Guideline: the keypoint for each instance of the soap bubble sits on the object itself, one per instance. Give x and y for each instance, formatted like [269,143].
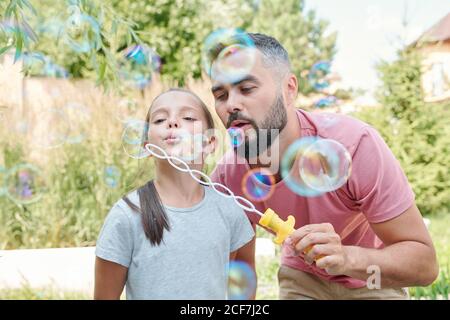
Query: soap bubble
[235,58]
[317,76]
[290,164]
[81,32]
[133,139]
[325,165]
[237,136]
[258,184]
[241,281]
[326,102]
[137,66]
[25,184]
[111,176]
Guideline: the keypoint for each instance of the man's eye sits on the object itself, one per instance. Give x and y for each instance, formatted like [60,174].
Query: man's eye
[247,89]
[221,97]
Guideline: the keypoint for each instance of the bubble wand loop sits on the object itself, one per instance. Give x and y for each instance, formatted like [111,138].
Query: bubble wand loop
[269,218]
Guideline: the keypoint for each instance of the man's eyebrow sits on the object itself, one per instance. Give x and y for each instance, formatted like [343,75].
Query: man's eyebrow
[246,78]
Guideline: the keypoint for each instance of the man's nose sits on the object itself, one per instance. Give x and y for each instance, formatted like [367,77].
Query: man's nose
[234,103]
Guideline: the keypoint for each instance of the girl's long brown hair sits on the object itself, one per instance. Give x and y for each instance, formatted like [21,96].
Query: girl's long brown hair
[153,216]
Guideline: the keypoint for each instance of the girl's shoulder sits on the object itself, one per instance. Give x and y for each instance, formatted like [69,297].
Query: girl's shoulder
[122,208]
[223,202]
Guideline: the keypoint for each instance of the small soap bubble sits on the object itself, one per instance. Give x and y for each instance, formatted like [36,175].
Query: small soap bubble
[25,184]
[241,281]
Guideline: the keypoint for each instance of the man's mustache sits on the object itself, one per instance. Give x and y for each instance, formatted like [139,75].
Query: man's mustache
[237,116]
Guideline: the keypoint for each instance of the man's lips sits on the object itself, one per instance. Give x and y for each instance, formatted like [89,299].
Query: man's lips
[239,123]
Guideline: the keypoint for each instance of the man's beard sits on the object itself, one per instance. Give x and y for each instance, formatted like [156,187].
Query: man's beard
[266,134]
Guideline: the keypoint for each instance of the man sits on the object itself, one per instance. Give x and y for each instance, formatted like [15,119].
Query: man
[369,224]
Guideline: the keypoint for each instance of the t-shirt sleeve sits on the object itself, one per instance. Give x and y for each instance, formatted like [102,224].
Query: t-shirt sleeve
[115,242]
[377,183]
[241,229]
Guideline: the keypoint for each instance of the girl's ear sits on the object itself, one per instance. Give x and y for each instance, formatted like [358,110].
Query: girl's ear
[210,145]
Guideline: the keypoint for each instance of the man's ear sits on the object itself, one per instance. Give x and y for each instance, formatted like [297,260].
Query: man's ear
[291,89]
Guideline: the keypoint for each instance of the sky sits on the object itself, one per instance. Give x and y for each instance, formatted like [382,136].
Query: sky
[372,30]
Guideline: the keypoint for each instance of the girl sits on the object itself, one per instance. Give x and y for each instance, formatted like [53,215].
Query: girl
[173,237]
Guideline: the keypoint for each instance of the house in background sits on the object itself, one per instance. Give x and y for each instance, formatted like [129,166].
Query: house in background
[434,44]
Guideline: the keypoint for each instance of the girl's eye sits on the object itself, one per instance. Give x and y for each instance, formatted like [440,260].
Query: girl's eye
[158,121]
[189,119]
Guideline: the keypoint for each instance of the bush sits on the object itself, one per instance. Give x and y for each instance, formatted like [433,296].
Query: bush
[417,132]
[75,199]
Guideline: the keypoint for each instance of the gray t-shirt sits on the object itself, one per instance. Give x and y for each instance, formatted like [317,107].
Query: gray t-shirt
[192,260]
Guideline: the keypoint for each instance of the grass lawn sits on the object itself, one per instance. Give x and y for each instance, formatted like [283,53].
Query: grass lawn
[267,273]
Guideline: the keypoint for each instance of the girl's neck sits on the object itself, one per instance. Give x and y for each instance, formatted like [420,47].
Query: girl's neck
[176,188]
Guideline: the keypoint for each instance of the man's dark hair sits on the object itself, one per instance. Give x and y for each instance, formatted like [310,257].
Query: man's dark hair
[274,55]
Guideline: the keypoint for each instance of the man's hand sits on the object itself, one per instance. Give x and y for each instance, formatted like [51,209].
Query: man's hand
[319,243]
[407,259]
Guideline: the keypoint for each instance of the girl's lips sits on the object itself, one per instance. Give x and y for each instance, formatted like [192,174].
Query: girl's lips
[172,140]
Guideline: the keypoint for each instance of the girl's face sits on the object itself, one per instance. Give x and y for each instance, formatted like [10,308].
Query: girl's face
[176,124]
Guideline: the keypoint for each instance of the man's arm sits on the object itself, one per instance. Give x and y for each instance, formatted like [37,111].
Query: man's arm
[408,259]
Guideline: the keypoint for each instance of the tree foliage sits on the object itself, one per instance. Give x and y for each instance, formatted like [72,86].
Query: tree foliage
[175,29]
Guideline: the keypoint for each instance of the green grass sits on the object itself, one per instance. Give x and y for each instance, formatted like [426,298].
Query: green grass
[440,232]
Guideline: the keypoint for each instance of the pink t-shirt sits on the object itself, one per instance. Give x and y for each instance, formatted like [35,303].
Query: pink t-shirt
[376,191]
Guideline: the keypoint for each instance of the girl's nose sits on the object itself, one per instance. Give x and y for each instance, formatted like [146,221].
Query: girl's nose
[173,123]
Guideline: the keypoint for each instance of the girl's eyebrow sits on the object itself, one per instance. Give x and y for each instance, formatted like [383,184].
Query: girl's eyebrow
[165,109]
[189,108]
[158,110]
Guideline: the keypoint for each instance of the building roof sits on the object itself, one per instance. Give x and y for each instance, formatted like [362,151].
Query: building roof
[439,32]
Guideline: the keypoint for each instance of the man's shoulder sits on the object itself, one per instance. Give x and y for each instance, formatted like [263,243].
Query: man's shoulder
[342,128]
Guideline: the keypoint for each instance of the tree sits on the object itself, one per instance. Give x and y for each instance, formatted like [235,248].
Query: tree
[40,28]
[417,132]
[301,34]
[175,29]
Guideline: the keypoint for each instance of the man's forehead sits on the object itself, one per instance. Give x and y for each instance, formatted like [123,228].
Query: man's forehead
[254,74]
